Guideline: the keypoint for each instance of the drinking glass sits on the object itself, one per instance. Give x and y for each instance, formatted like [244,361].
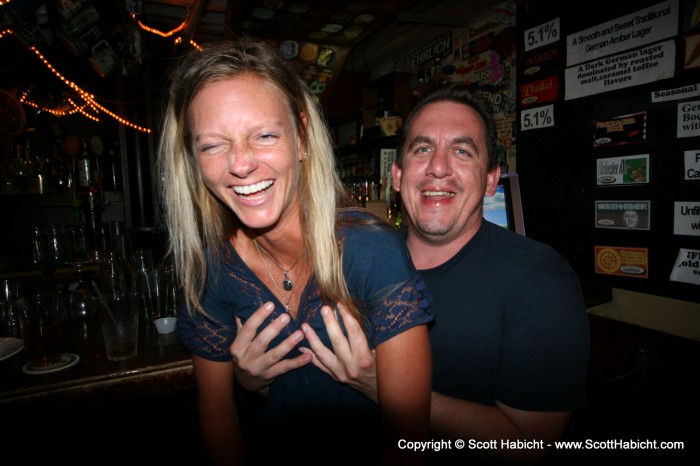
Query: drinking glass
[42,321]
[120,325]
[83,316]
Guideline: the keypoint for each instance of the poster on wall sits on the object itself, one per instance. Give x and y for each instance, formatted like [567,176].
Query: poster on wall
[645,65]
[622,261]
[622,215]
[620,130]
[540,91]
[636,29]
[541,62]
[686,218]
[678,93]
[692,164]
[687,267]
[626,170]
[688,121]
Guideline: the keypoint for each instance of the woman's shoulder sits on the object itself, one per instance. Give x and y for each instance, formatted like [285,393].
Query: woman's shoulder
[359,225]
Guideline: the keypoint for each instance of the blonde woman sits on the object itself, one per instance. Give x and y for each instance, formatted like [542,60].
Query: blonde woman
[258,218]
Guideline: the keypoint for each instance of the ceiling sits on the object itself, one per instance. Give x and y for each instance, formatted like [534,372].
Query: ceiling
[340,37]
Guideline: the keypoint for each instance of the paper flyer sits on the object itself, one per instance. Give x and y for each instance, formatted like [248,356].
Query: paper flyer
[692,164]
[687,267]
[686,218]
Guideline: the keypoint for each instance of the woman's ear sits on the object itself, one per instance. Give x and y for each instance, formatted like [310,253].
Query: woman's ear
[301,150]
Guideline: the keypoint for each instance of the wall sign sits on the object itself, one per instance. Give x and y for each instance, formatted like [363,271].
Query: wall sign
[678,93]
[625,215]
[692,164]
[688,122]
[620,130]
[634,30]
[622,261]
[534,118]
[687,267]
[631,169]
[686,218]
[632,68]
[543,34]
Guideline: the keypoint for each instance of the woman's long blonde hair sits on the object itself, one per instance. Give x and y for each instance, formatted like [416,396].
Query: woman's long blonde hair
[197,223]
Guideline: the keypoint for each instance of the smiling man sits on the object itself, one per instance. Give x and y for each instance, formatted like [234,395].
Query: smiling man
[510,341]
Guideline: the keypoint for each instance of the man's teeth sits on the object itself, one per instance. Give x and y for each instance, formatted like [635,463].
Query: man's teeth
[438,193]
[253,188]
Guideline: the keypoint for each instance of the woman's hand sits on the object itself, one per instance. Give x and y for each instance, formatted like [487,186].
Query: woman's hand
[256,368]
[351,361]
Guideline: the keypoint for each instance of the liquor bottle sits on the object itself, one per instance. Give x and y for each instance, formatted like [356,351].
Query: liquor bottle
[394,210]
[89,189]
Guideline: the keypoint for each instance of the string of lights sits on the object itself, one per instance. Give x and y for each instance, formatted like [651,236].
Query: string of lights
[74,107]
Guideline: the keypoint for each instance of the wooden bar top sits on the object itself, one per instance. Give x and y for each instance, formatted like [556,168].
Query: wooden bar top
[162,365]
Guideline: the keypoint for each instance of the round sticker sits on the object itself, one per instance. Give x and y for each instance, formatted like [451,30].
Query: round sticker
[289,49]
[326,57]
[318,87]
[332,28]
[309,52]
[364,19]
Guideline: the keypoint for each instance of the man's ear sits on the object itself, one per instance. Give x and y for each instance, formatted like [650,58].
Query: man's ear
[492,179]
[395,177]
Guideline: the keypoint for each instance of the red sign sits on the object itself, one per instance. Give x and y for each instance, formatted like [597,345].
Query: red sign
[622,261]
[538,92]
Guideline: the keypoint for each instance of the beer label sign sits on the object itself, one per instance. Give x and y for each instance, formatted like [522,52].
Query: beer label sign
[619,130]
[626,170]
[622,261]
[622,215]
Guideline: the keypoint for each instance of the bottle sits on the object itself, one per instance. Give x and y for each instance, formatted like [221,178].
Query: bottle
[379,114]
[112,174]
[39,245]
[394,214]
[90,197]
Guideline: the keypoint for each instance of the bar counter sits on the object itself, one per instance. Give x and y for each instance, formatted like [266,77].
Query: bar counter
[161,365]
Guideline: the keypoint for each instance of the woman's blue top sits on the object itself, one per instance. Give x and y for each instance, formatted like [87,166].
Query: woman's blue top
[389,293]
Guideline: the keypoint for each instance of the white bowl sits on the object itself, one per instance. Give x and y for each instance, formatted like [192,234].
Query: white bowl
[165,324]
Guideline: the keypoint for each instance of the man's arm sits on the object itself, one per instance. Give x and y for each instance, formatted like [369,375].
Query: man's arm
[450,418]
[453,418]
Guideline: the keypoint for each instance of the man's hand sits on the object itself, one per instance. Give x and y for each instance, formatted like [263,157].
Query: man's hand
[256,368]
[351,361]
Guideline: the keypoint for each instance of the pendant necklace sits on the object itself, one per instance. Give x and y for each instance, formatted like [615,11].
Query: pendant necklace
[287,283]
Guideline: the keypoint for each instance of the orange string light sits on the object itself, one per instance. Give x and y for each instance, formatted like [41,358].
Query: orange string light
[86,96]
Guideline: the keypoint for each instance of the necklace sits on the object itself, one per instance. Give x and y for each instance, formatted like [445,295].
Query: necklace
[287,283]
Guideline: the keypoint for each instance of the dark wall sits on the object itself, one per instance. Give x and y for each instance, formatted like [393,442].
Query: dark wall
[557,164]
